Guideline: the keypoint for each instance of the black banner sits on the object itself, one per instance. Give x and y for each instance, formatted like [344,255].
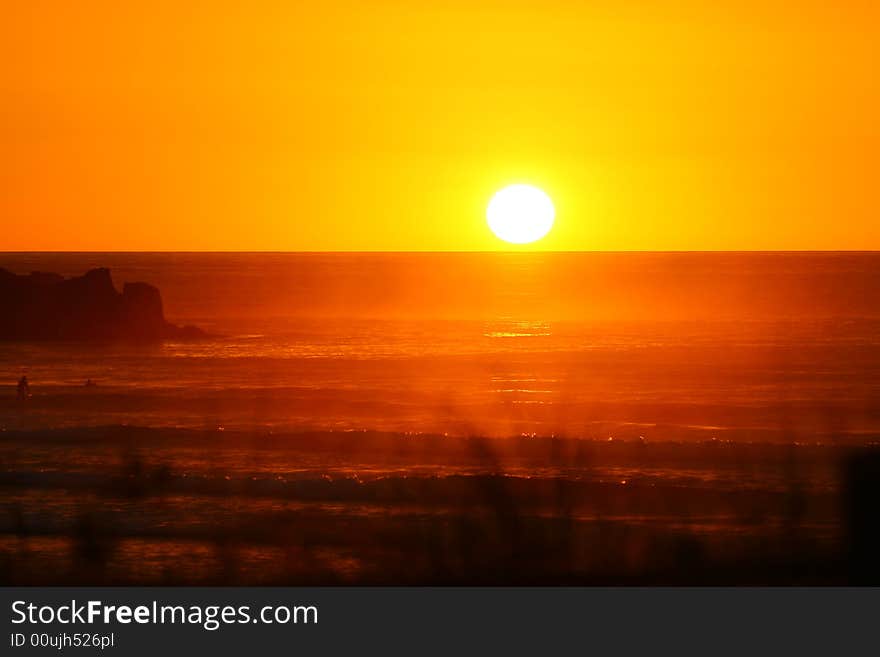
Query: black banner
[493,621]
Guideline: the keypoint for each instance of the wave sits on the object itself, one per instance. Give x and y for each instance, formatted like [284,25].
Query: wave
[365,465]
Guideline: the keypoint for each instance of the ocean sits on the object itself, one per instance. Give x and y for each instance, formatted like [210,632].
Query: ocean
[703,402]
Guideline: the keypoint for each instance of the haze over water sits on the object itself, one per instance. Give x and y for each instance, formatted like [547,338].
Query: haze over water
[668,346]
[325,431]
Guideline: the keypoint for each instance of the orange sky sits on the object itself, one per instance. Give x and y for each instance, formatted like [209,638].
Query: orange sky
[387,125]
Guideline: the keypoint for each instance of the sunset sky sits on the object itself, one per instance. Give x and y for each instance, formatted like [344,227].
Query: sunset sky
[366,125]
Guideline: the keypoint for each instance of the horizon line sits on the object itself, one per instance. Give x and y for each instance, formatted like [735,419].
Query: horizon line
[447,252]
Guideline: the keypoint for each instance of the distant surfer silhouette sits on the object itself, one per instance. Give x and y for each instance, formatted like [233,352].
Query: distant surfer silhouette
[90,384]
[23,390]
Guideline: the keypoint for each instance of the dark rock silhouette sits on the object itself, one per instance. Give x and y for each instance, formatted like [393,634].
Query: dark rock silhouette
[43,306]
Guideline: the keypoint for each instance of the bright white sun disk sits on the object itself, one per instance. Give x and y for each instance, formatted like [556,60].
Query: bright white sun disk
[520,214]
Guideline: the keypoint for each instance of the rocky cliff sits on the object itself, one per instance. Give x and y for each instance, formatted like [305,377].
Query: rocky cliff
[42,306]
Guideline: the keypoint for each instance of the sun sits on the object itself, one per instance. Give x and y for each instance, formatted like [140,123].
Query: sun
[520,214]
